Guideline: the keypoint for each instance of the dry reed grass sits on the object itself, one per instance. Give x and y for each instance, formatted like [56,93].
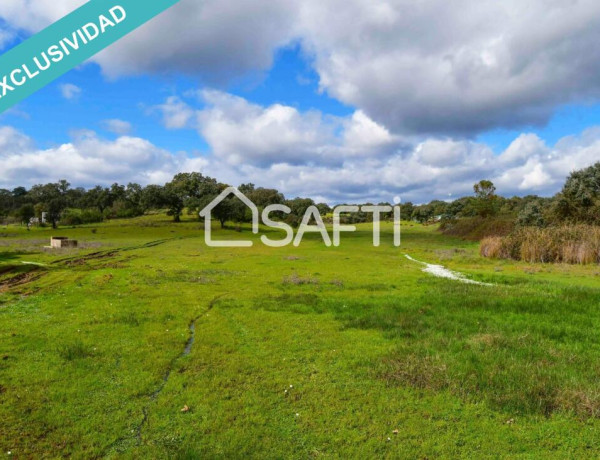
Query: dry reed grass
[571,244]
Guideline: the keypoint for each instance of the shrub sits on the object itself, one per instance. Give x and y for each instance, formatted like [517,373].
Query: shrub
[478,228]
[78,217]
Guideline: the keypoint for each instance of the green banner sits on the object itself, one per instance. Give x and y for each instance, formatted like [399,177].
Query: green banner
[67,43]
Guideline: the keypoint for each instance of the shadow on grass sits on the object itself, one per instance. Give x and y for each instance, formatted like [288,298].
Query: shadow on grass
[8,256]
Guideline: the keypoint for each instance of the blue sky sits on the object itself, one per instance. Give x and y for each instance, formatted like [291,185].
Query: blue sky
[50,117]
[288,95]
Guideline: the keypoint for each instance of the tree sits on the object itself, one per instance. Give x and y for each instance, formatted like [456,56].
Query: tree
[406,210]
[324,209]
[229,209]
[19,192]
[63,186]
[54,209]
[579,200]
[263,197]
[422,213]
[485,198]
[25,213]
[298,207]
[189,190]
[532,215]
[6,202]
[98,197]
[152,197]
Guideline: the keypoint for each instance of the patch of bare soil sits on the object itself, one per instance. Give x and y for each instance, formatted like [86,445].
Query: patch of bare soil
[7,269]
[21,279]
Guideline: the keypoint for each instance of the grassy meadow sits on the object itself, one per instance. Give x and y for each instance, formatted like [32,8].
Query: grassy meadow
[145,343]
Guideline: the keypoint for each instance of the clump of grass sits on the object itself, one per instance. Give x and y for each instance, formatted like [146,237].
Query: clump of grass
[425,373]
[491,247]
[487,373]
[130,318]
[571,244]
[584,402]
[75,350]
[297,280]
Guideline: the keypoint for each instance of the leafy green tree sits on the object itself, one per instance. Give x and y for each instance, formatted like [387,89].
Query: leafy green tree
[324,209]
[579,200]
[189,190]
[485,198]
[298,207]
[25,213]
[6,202]
[422,213]
[406,210]
[152,197]
[52,200]
[532,215]
[263,197]
[99,198]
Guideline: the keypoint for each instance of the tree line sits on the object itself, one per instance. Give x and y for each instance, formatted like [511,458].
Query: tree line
[578,202]
[186,192]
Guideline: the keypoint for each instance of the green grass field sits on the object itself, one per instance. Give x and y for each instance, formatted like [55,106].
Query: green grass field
[349,352]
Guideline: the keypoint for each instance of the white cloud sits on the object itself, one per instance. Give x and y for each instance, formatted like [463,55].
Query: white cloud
[240,132]
[214,39]
[70,92]
[33,15]
[89,160]
[455,67]
[354,158]
[434,67]
[176,113]
[6,36]
[117,126]
[420,74]
[13,142]
[408,172]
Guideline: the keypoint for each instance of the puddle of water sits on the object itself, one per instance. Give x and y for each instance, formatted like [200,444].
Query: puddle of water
[440,271]
[190,342]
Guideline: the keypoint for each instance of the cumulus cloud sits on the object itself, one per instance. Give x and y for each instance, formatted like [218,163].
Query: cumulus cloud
[455,67]
[435,67]
[423,78]
[89,160]
[70,92]
[240,132]
[34,15]
[355,158]
[117,126]
[13,142]
[214,39]
[176,114]
[410,172]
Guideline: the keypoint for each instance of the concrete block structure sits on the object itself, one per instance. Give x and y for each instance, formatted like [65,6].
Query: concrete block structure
[61,242]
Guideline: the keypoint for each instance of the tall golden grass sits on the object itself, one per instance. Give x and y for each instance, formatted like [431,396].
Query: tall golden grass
[571,244]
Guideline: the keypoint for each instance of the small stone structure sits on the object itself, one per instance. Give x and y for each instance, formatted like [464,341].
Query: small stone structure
[61,242]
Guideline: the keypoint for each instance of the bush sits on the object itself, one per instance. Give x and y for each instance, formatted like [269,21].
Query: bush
[78,217]
[478,228]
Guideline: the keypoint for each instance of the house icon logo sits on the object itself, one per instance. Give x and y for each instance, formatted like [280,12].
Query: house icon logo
[208,211]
